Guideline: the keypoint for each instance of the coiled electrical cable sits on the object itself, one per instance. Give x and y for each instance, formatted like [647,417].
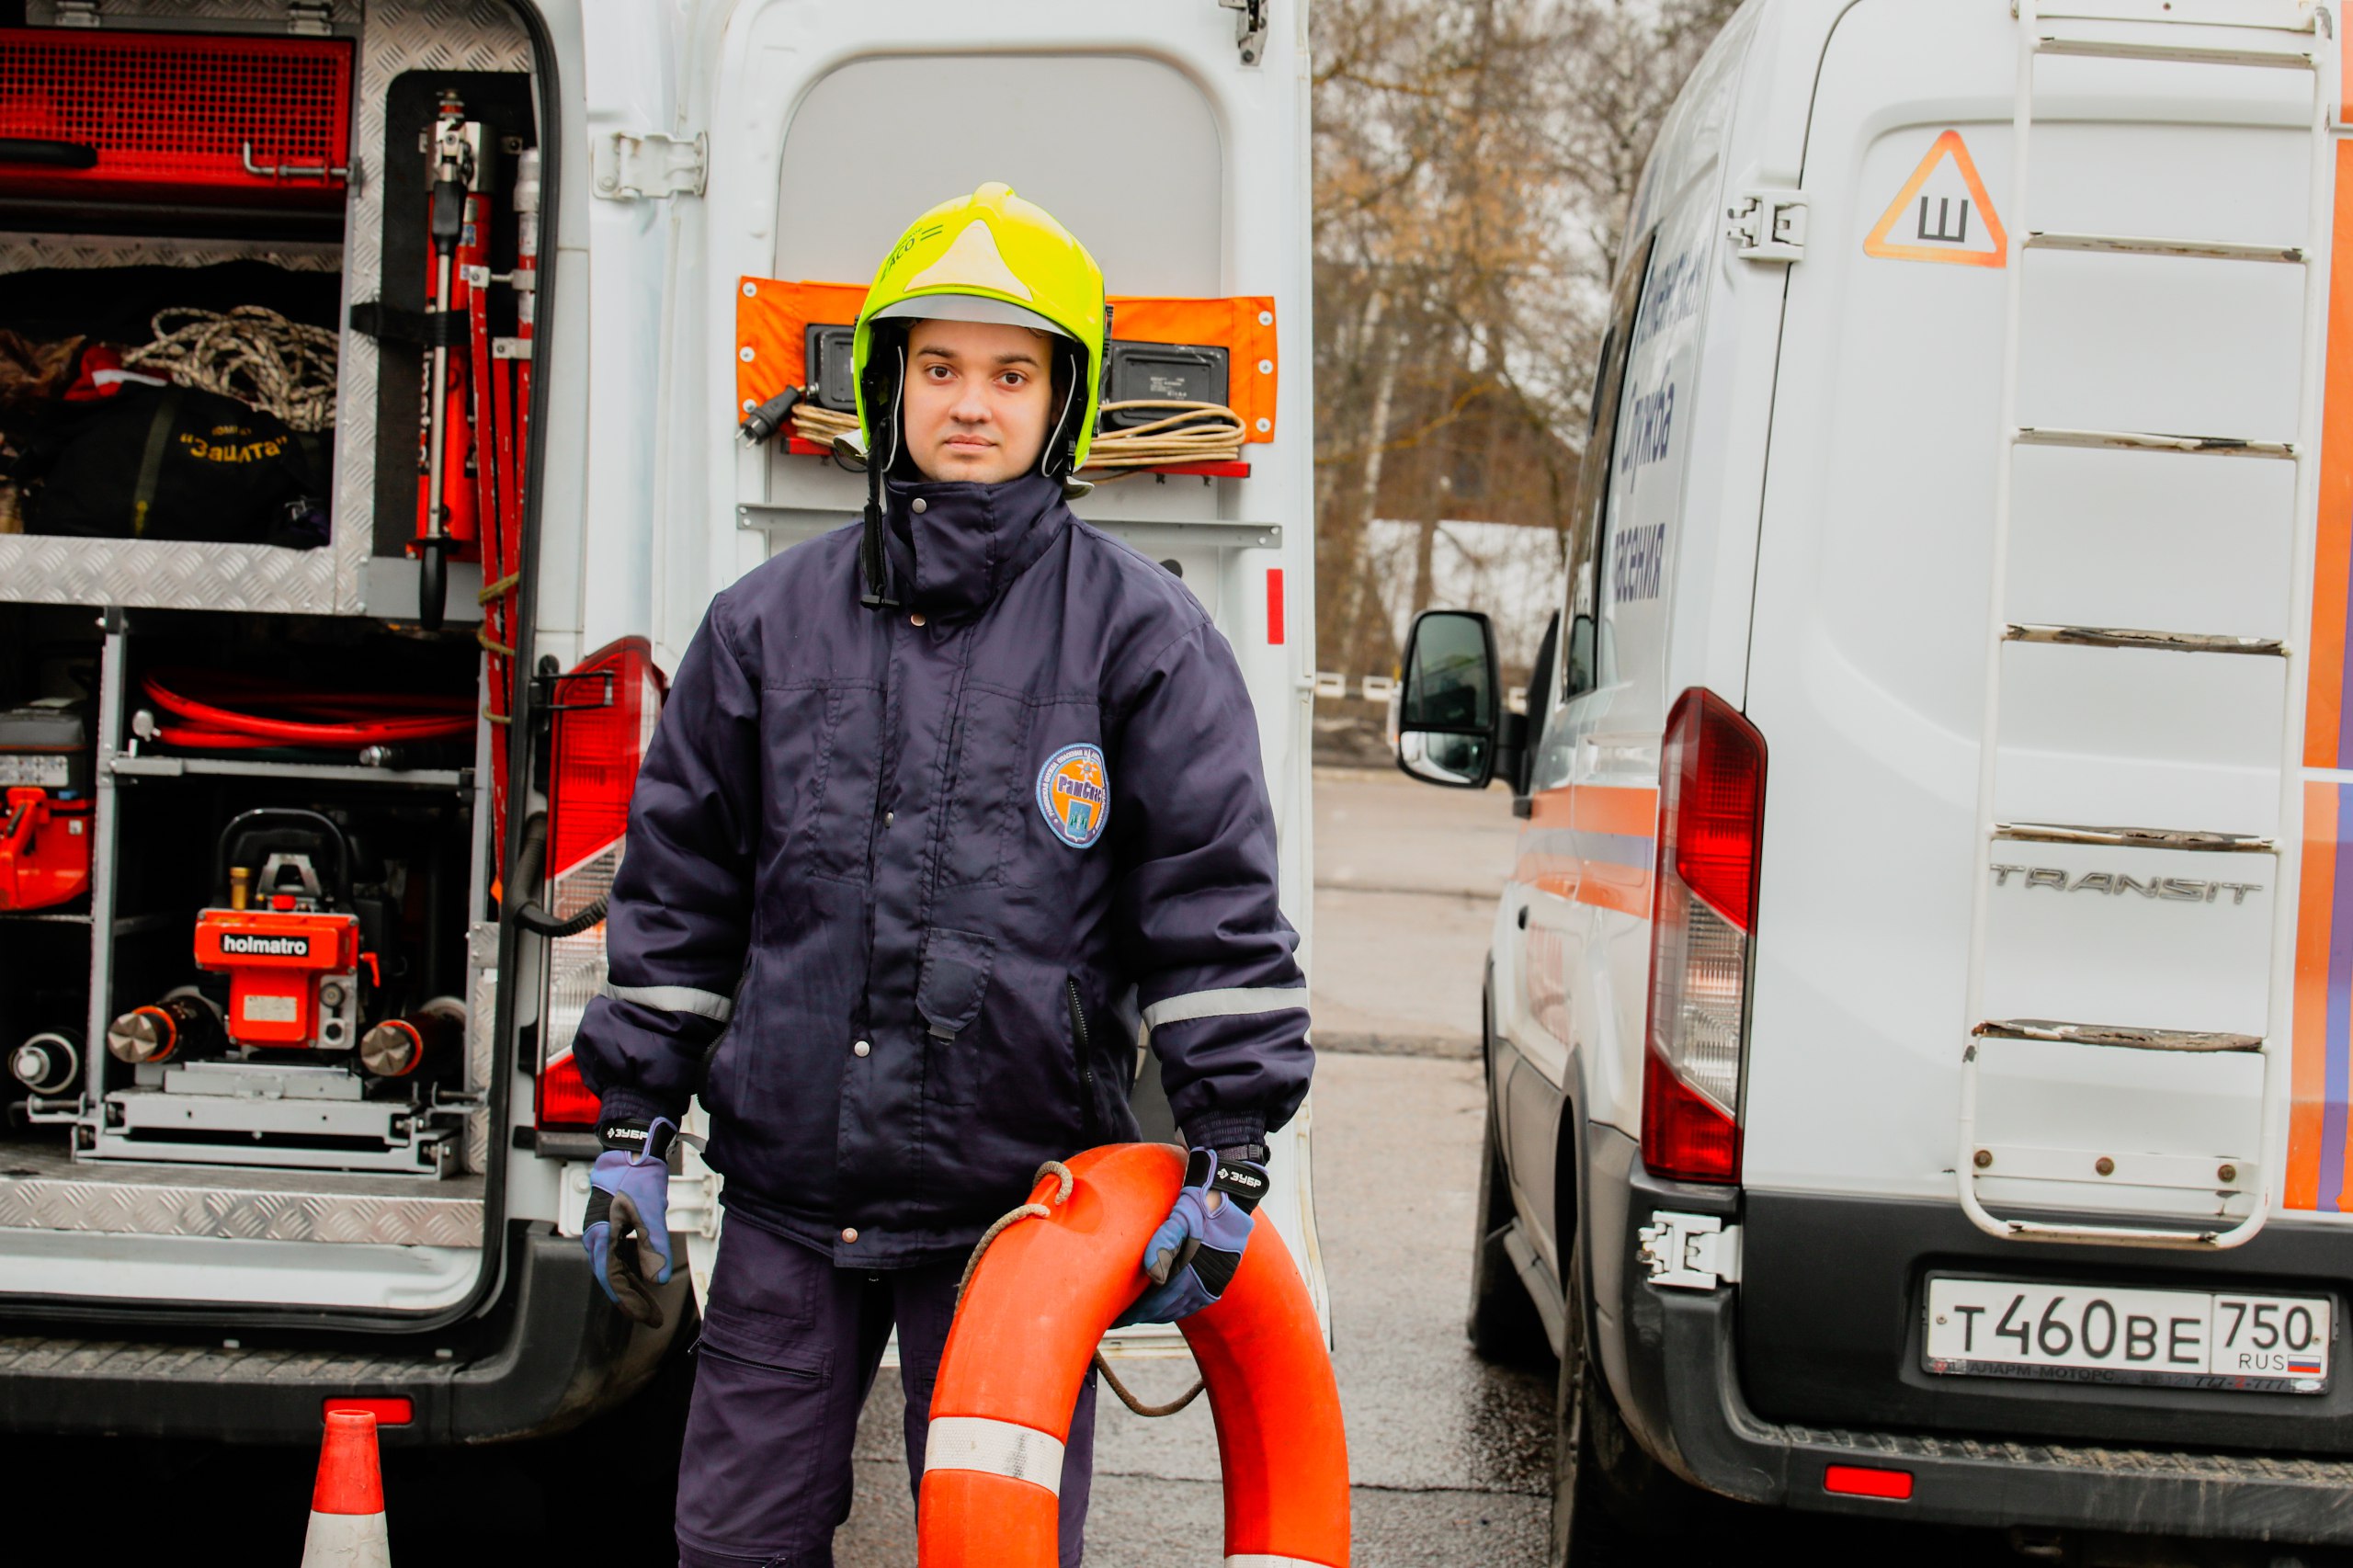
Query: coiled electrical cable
[1188,433]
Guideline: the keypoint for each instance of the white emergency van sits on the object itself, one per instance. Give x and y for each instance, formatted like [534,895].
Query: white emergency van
[1917,1042]
[318,769]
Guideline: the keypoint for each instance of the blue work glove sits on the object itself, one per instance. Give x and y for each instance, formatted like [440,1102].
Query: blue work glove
[628,1197]
[1192,1258]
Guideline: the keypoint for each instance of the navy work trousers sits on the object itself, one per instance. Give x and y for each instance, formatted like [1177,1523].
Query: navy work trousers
[790,1349]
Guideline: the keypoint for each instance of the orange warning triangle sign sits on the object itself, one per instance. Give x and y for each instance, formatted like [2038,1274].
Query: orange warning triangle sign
[1942,214]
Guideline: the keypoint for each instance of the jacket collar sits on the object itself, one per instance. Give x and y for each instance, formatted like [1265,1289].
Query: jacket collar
[955,547]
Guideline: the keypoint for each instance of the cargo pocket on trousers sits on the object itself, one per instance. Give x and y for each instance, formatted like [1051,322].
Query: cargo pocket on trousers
[949,993]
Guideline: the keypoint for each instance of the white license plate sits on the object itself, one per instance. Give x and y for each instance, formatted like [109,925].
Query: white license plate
[2099,1335]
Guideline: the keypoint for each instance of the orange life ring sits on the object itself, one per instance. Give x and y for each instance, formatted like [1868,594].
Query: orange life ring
[1025,1336]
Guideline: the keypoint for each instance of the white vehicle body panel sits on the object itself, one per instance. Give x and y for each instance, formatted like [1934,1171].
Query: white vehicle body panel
[1826,493]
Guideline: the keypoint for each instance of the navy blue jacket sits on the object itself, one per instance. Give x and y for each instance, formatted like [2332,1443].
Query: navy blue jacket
[892,878]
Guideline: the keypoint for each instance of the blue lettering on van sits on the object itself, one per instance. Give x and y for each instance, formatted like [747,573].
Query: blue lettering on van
[1639,562]
[1647,429]
[1671,295]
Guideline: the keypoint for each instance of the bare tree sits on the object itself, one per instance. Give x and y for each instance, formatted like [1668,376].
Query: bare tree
[1475,161]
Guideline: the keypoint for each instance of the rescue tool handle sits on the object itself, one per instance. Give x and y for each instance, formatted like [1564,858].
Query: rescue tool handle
[340,886]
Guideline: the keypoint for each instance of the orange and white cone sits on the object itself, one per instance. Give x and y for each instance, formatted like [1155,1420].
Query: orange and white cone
[347,1504]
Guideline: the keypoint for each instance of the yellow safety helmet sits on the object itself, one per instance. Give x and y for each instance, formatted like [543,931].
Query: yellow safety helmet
[989,257]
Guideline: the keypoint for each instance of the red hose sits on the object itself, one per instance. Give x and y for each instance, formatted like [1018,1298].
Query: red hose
[337,720]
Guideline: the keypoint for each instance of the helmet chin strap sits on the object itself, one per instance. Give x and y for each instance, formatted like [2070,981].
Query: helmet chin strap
[1054,457]
[874,564]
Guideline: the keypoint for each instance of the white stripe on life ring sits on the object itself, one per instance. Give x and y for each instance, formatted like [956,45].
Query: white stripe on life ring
[1259,1560]
[995,1447]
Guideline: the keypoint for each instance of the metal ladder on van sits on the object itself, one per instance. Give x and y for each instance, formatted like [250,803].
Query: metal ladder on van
[2280,34]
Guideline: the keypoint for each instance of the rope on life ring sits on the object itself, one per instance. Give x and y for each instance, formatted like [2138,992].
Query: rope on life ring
[1041,1211]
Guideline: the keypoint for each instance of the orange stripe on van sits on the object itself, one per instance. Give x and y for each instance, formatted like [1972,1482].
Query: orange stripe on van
[1623,888]
[1586,868]
[2307,1104]
[2333,560]
[1603,808]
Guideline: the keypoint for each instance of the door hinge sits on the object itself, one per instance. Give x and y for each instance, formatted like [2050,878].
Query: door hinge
[1768,226]
[1249,27]
[638,165]
[1690,1252]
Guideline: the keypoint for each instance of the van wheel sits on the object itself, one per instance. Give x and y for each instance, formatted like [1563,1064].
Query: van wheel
[1609,1496]
[1504,1325]
[1586,1529]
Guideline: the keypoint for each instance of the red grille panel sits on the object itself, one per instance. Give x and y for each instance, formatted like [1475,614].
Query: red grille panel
[169,114]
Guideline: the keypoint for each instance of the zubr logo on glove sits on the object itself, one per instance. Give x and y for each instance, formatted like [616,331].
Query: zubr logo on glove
[1075,794]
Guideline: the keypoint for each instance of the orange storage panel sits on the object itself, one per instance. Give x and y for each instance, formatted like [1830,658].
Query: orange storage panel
[772,318]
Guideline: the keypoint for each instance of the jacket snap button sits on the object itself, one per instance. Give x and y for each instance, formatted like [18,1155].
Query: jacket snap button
[860,1049]
[890,817]
[915,619]
[850,1234]
[920,505]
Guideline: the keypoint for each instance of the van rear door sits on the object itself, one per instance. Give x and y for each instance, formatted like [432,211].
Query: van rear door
[826,135]
[1870,658]
[2128,850]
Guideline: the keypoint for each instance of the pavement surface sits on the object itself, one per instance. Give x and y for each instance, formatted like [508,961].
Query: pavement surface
[1407,876]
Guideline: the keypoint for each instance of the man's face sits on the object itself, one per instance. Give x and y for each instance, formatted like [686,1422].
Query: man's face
[980,395]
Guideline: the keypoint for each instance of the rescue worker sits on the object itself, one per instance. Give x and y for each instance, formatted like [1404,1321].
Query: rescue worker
[945,811]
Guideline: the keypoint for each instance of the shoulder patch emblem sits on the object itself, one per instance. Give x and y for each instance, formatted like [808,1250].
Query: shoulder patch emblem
[1075,794]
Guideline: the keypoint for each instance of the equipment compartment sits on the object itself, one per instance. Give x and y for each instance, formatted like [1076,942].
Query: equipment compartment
[247,740]
[364,238]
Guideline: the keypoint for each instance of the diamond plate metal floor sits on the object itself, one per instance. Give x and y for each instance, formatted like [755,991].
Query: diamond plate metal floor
[42,1188]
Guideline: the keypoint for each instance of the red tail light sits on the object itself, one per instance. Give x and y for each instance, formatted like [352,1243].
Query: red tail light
[1703,912]
[605,712]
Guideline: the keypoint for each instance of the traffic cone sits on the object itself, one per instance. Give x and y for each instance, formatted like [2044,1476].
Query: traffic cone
[347,1504]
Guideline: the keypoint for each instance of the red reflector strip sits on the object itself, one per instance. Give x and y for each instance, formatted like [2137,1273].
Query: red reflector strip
[1860,1480]
[387,1412]
[1275,605]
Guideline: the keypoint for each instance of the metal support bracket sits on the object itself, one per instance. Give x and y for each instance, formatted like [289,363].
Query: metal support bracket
[1768,226]
[1249,27]
[1690,1252]
[647,163]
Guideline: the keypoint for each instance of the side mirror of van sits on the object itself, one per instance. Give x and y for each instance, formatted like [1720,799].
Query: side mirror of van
[1449,720]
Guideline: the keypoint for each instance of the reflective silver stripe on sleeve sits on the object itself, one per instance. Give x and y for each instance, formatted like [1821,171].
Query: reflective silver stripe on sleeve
[676,999]
[1234,1002]
[994,1447]
[1261,1560]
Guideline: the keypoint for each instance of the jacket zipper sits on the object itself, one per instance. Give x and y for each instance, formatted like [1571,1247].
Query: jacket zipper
[1089,1119]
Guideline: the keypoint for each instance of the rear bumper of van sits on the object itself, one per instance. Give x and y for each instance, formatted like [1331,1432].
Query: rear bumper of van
[1673,1360]
[1693,1391]
[554,1353]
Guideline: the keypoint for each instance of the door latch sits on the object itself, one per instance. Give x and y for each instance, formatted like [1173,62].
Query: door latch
[1768,226]
[637,166]
[1249,27]
[1690,1252]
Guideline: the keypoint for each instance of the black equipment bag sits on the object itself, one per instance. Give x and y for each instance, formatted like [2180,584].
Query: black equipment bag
[168,463]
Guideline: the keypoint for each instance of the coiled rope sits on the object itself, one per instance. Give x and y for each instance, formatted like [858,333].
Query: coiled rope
[1060,1172]
[1190,433]
[251,354]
